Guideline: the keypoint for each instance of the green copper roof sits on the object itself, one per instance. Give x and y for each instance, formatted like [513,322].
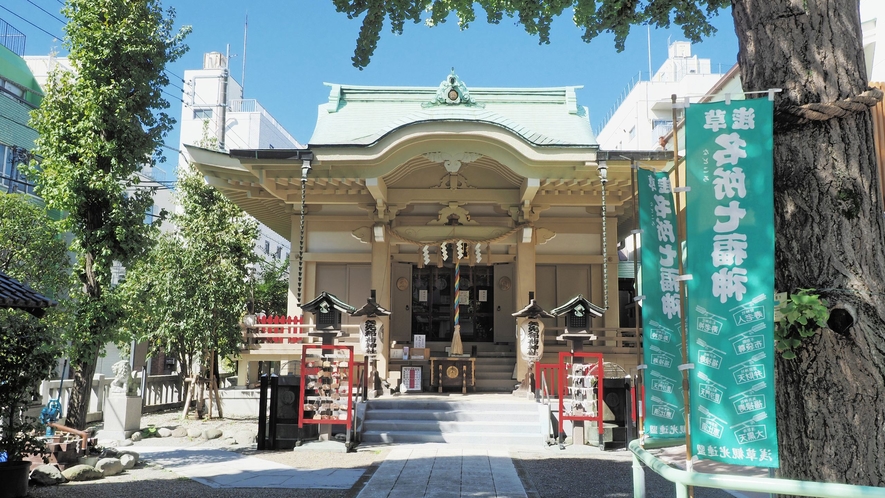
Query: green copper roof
[14,69]
[362,115]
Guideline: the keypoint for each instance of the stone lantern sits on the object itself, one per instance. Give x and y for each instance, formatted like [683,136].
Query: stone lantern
[530,335]
[327,310]
[371,334]
[578,314]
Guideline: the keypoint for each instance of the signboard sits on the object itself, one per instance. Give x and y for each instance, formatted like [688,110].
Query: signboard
[412,378]
[665,405]
[730,256]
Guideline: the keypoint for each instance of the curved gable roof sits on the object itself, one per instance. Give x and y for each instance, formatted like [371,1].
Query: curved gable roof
[363,115]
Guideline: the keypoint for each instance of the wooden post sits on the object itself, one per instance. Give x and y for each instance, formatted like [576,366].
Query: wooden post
[211,380]
[187,397]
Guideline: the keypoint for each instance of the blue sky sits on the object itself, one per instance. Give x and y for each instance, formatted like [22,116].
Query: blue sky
[296,45]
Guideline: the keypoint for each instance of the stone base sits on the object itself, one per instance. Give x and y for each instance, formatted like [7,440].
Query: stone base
[122,417]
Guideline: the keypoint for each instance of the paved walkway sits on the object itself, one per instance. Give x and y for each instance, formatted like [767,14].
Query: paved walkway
[445,471]
[218,468]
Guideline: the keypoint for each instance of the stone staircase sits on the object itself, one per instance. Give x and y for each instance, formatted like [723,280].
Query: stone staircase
[494,372]
[474,419]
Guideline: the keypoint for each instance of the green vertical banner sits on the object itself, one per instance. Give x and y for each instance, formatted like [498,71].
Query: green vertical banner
[730,257]
[661,313]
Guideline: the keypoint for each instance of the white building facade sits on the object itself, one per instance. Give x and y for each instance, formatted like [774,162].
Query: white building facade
[645,114]
[214,114]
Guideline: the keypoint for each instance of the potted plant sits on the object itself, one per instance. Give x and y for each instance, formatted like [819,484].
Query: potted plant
[27,356]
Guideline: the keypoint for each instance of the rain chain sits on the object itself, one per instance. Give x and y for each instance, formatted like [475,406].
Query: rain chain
[603,178]
[305,169]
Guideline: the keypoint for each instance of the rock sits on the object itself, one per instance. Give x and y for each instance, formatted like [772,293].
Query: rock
[109,466]
[212,433]
[136,437]
[131,453]
[81,473]
[128,461]
[164,432]
[194,432]
[109,453]
[47,475]
[245,437]
[179,432]
[125,442]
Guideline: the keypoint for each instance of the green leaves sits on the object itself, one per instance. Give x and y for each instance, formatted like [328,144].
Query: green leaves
[536,16]
[802,316]
[98,127]
[27,357]
[187,297]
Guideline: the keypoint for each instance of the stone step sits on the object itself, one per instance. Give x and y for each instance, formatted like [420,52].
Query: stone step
[469,420]
[451,416]
[495,386]
[401,437]
[453,426]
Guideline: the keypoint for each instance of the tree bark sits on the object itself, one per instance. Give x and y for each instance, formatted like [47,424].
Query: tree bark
[78,405]
[829,235]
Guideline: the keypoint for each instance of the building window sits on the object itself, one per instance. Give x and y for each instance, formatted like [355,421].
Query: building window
[266,247]
[202,114]
[279,253]
[12,180]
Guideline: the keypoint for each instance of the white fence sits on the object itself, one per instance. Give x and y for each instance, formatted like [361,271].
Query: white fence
[161,392]
[52,389]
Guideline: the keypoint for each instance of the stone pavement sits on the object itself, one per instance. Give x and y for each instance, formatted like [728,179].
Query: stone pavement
[218,468]
[445,471]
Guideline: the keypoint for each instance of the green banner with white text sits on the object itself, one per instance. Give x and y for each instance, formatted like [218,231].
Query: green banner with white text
[661,313]
[730,303]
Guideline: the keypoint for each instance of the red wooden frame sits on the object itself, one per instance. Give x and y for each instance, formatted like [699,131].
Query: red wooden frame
[312,359]
[563,387]
[283,329]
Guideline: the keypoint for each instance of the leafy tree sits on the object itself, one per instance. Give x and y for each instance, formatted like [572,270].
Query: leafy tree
[31,248]
[272,286]
[829,221]
[186,298]
[98,127]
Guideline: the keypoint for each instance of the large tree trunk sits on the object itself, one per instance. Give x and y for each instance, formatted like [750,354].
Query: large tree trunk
[829,235]
[78,405]
[84,355]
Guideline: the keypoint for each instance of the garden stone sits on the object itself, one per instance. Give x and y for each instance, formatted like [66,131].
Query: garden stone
[131,453]
[194,432]
[212,433]
[164,432]
[109,466]
[109,453]
[179,432]
[81,473]
[128,461]
[136,437]
[245,437]
[47,475]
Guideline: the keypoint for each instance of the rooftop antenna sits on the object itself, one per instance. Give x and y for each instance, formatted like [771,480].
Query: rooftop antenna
[245,38]
[648,35]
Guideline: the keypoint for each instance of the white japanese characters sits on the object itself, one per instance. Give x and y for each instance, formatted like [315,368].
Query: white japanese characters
[729,186]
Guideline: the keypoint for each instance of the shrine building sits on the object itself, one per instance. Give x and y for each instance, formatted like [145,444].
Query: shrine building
[395,178]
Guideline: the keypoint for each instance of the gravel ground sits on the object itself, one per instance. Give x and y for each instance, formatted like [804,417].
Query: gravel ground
[545,473]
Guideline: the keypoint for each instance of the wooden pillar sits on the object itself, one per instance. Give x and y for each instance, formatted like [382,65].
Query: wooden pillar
[611,319]
[381,272]
[525,283]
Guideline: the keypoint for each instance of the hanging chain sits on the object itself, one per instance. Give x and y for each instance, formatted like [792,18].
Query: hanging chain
[301,237]
[604,180]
